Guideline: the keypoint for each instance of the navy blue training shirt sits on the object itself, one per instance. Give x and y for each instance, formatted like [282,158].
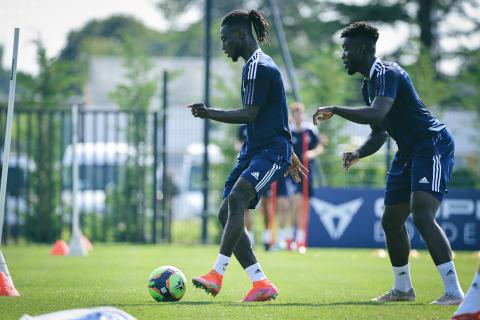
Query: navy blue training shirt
[242,133]
[312,139]
[262,86]
[408,121]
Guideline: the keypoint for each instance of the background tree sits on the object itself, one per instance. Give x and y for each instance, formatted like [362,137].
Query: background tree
[47,91]
[133,97]
[4,79]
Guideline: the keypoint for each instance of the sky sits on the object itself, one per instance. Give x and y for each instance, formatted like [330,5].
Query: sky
[52,20]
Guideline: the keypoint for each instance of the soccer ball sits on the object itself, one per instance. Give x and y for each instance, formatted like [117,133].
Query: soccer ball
[167,283]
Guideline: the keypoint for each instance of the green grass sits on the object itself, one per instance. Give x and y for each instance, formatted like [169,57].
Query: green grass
[323,284]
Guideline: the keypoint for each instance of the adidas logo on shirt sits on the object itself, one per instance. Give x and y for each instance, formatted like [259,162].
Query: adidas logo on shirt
[423,180]
[255,175]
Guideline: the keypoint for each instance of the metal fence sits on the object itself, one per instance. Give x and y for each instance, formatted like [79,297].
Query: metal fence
[120,176]
[132,189]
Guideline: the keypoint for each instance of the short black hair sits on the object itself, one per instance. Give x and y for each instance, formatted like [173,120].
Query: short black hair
[250,18]
[360,29]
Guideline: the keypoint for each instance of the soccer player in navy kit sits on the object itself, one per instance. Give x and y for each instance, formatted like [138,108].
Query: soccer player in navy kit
[421,169]
[265,157]
[282,195]
[241,139]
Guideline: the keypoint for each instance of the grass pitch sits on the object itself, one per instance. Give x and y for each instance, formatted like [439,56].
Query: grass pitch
[323,284]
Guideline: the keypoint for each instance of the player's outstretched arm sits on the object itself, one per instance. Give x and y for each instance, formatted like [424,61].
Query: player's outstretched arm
[239,116]
[365,115]
[374,142]
[296,170]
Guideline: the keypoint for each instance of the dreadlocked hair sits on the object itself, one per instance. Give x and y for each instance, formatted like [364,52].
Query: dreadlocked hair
[360,29]
[250,18]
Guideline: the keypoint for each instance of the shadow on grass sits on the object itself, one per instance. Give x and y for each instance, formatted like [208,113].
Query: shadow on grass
[325,304]
[177,303]
[316,305]
[266,304]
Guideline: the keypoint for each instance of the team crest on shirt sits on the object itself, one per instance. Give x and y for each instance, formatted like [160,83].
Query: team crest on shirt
[336,217]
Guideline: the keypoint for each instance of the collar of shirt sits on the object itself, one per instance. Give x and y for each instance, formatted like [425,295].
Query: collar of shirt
[372,69]
[253,54]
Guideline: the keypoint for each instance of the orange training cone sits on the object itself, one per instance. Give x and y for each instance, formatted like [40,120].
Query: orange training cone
[60,248]
[86,243]
[6,286]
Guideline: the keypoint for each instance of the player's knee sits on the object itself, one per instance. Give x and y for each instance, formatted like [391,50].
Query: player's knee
[236,203]
[422,221]
[390,224]
[423,216]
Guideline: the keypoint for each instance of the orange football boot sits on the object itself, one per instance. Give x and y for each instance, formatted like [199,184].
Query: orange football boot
[263,290]
[211,282]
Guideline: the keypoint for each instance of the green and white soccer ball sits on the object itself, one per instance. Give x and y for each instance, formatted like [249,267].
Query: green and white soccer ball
[167,283]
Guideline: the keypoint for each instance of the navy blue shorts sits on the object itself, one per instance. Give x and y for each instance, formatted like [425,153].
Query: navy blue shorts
[297,188]
[261,170]
[283,188]
[428,168]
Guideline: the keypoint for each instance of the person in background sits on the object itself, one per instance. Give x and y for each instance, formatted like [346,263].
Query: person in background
[307,145]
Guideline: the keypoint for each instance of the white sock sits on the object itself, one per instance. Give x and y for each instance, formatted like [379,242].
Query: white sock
[289,234]
[255,272]
[402,280]
[221,264]
[267,236]
[450,279]
[281,235]
[471,303]
[251,237]
[300,237]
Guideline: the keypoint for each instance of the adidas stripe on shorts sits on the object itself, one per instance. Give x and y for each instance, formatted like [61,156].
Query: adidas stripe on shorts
[428,168]
[261,170]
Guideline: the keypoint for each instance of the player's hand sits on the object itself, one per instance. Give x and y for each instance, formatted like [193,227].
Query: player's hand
[199,110]
[349,159]
[296,170]
[310,154]
[322,114]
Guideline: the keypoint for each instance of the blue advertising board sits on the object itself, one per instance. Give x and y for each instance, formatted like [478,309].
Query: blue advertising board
[351,217]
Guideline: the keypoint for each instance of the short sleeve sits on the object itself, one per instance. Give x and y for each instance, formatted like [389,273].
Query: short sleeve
[256,85]
[387,82]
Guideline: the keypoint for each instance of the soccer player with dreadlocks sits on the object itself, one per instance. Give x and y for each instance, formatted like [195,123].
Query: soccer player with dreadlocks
[265,157]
